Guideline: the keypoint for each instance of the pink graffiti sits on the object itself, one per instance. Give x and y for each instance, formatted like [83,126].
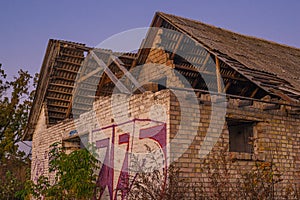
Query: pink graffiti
[106,175]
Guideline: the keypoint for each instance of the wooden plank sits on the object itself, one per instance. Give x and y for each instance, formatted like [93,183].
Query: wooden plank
[71,55]
[227,86]
[60,92]
[92,73]
[239,70]
[290,90]
[251,71]
[243,103]
[254,92]
[271,107]
[205,61]
[57,105]
[62,85]
[62,78]
[176,47]
[110,74]
[75,47]
[84,65]
[209,74]
[54,98]
[57,111]
[68,113]
[182,67]
[66,70]
[219,81]
[288,86]
[56,117]
[120,64]
[102,82]
[244,90]
[267,80]
[67,62]
[283,96]
[263,76]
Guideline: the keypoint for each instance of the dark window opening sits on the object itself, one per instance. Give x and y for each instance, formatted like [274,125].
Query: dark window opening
[240,136]
[75,142]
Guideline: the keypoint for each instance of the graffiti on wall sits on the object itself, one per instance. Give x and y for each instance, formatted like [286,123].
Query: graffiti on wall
[111,179]
[39,166]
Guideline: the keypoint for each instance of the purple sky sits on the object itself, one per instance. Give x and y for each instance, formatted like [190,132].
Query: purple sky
[26,26]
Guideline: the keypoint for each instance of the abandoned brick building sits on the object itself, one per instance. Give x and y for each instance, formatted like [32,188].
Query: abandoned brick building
[200,88]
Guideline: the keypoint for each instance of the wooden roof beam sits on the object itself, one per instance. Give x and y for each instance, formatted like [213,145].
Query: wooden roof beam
[271,107]
[176,47]
[92,73]
[75,47]
[205,61]
[57,105]
[66,70]
[110,74]
[54,98]
[283,96]
[68,62]
[61,78]
[180,67]
[244,103]
[56,117]
[56,111]
[219,78]
[227,86]
[60,92]
[254,92]
[61,85]
[120,65]
[71,55]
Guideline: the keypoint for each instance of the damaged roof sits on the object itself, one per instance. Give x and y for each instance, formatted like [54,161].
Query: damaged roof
[250,67]
[65,75]
[262,61]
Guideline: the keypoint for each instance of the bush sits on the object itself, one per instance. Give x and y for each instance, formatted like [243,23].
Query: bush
[75,176]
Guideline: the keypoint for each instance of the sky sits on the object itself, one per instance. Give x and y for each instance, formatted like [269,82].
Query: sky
[26,26]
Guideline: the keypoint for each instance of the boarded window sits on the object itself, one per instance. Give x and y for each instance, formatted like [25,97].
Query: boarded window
[240,134]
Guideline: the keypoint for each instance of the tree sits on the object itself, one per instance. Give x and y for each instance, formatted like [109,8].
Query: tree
[15,104]
[75,175]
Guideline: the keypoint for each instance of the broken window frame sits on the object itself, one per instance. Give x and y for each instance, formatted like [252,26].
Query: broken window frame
[245,129]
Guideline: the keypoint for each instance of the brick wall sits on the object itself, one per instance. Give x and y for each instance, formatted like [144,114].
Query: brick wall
[148,105]
[43,137]
[275,139]
[193,124]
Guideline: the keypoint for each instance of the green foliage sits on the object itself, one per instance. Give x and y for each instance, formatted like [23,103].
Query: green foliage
[259,183]
[75,176]
[221,179]
[7,188]
[154,182]
[37,190]
[162,185]
[75,173]
[15,103]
